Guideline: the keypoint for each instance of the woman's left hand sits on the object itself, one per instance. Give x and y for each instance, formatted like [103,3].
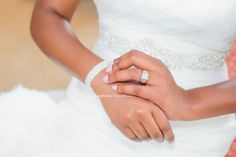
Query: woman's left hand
[160,88]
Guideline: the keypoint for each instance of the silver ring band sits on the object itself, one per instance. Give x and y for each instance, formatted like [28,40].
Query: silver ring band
[144,77]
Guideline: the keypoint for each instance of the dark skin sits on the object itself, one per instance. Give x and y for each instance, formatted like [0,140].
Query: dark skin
[137,118]
[161,88]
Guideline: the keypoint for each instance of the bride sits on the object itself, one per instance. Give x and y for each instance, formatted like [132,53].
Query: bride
[155,83]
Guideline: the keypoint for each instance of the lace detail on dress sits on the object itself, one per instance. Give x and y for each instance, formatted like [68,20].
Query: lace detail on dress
[194,61]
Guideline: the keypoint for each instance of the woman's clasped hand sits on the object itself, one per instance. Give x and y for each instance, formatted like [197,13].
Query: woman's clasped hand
[125,75]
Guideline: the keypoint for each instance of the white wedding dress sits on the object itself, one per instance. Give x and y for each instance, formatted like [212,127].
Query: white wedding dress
[191,37]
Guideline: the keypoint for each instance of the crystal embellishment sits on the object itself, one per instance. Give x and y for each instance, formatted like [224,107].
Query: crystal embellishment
[171,59]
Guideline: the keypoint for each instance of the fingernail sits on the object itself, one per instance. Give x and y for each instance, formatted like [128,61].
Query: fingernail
[170,141]
[105,79]
[160,140]
[109,68]
[114,87]
[138,140]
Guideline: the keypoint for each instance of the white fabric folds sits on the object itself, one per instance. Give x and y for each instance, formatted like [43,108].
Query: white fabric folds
[34,124]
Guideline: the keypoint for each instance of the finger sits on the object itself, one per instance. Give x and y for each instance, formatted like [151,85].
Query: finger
[130,134]
[152,128]
[140,131]
[139,60]
[163,124]
[134,89]
[133,74]
[112,66]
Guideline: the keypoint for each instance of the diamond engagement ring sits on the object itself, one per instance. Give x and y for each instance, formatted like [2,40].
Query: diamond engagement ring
[144,77]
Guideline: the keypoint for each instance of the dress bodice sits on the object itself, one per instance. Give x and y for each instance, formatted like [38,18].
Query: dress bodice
[179,24]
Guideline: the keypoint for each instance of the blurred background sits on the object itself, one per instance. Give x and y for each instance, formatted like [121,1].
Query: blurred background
[21,61]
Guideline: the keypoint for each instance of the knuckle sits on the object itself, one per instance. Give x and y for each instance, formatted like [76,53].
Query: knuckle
[158,62]
[133,55]
[128,118]
[136,52]
[131,52]
[141,112]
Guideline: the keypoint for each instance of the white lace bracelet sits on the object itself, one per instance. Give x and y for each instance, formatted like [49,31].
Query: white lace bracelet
[94,72]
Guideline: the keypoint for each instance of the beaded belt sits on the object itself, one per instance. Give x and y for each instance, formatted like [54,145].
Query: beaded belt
[196,61]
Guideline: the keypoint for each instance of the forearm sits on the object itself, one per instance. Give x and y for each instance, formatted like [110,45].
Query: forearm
[213,100]
[54,36]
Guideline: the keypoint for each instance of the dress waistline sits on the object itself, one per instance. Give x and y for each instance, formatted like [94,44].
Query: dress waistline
[170,57]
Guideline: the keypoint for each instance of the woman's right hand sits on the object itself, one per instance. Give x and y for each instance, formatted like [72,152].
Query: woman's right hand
[136,118]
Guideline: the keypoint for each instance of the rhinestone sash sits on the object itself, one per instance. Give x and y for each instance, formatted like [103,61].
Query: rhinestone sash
[196,61]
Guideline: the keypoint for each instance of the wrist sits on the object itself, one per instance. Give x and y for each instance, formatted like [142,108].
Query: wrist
[194,109]
[184,100]
[186,111]
[97,82]
[94,72]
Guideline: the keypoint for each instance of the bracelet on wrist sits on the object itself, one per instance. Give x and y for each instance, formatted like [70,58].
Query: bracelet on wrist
[94,72]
